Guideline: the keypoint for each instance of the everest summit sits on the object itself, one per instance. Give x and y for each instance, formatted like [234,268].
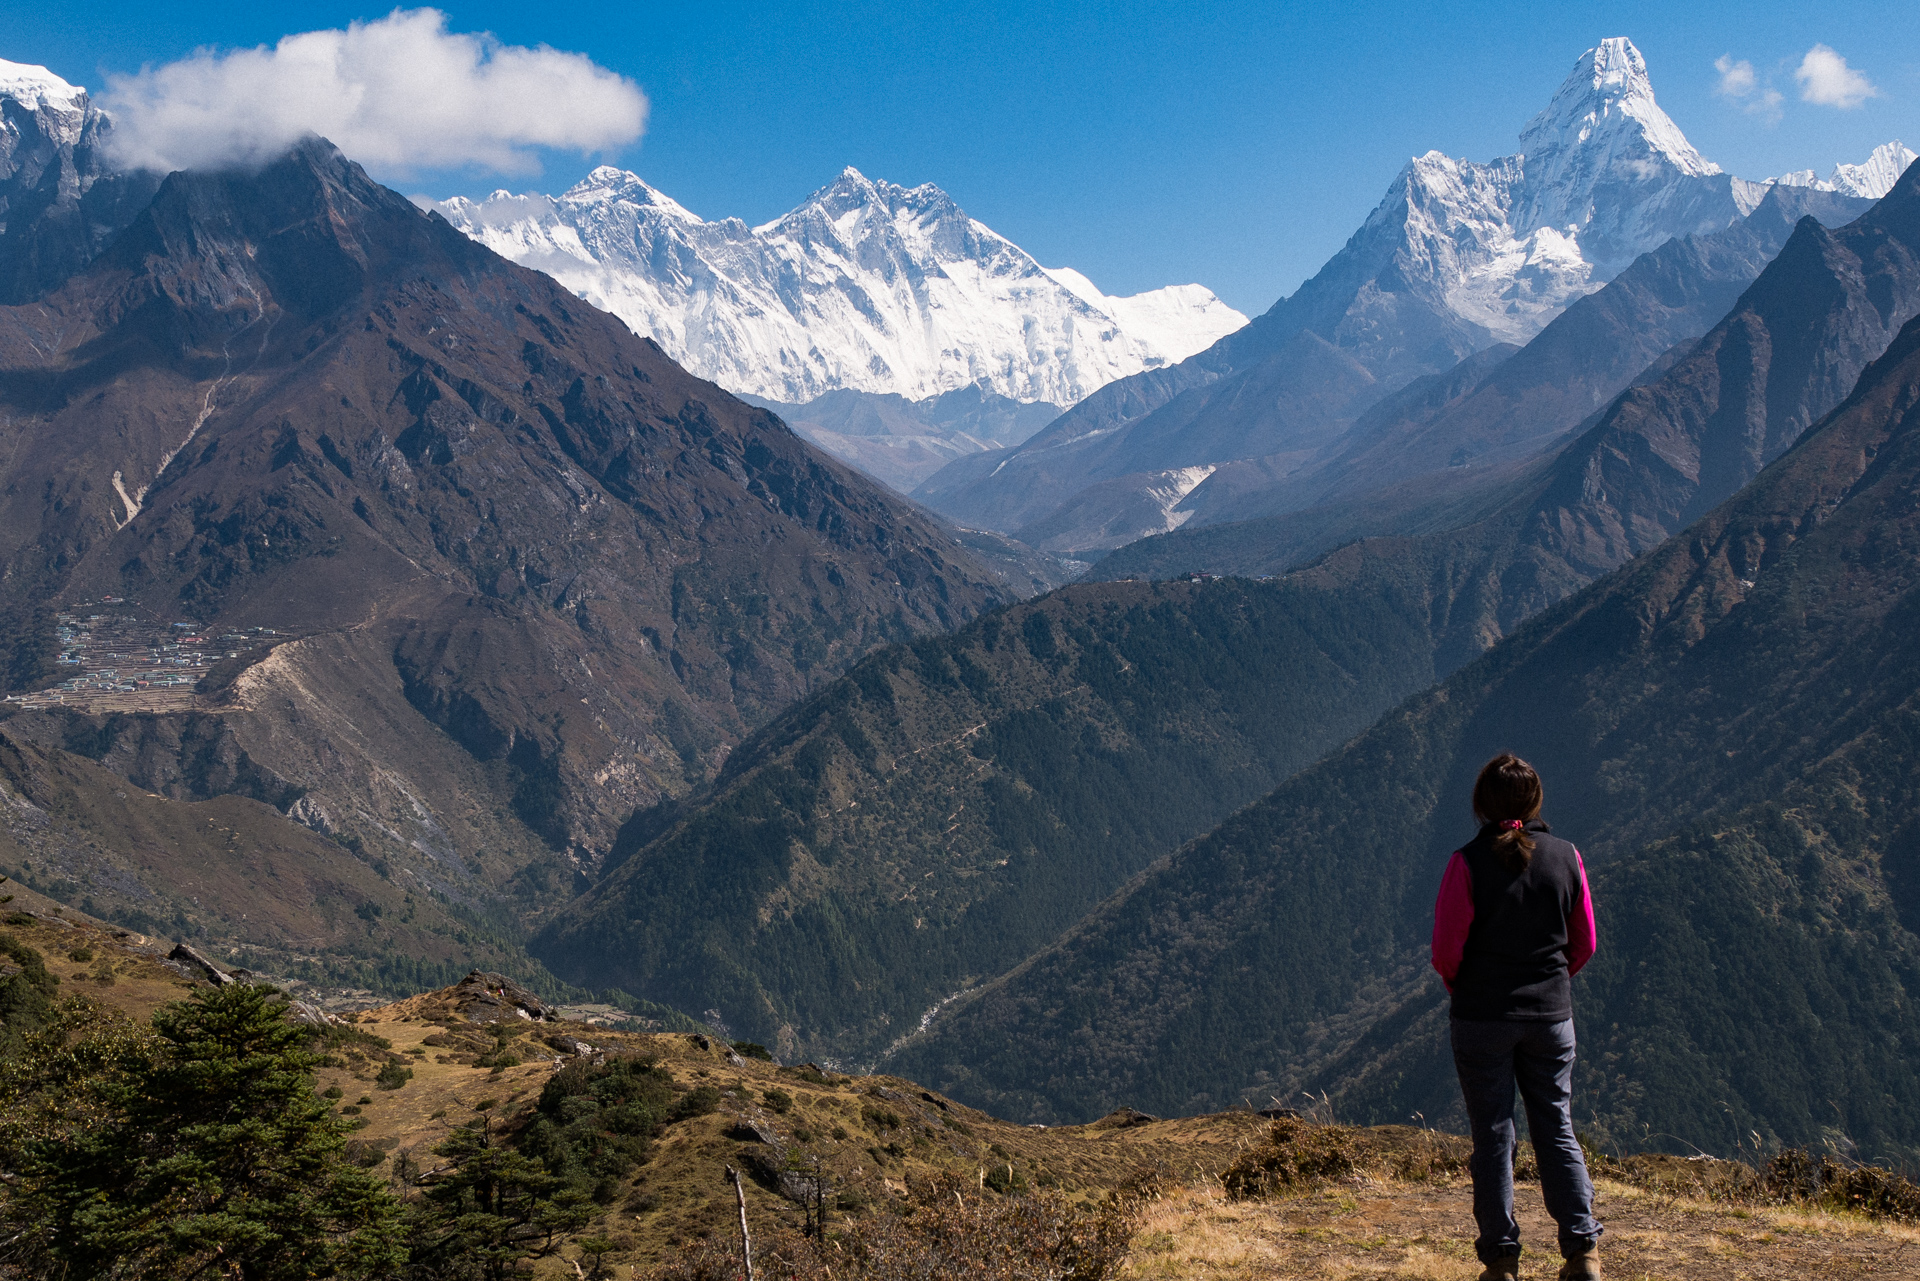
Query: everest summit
[867,286]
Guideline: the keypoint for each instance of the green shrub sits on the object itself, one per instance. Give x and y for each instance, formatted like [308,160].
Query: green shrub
[81,954]
[26,996]
[698,1101]
[752,1050]
[1006,1179]
[779,1100]
[393,1076]
[807,1072]
[344,1036]
[595,1122]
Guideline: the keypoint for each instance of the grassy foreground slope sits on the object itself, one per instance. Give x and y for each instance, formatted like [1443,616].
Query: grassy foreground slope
[1727,726]
[914,1183]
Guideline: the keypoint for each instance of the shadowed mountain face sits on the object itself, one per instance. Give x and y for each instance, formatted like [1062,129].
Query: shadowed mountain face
[59,204]
[1660,455]
[1726,729]
[290,399]
[1491,410]
[952,805]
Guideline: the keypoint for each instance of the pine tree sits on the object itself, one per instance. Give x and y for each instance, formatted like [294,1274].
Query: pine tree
[491,1206]
[214,1157]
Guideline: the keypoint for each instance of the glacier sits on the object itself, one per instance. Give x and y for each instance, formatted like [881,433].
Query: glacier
[866,286]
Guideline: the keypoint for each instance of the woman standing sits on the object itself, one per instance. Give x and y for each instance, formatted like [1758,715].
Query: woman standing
[1513,925]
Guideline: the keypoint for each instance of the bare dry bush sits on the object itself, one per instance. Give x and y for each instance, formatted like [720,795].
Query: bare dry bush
[1300,1155]
[943,1231]
[1793,1177]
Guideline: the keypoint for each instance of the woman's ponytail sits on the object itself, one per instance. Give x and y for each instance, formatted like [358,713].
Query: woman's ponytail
[1506,797]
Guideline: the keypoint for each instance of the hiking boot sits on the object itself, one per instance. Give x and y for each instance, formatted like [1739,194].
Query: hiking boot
[1504,1268]
[1584,1266]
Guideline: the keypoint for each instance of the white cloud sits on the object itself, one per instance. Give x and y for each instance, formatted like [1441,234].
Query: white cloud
[399,95]
[1826,79]
[1738,82]
[1736,78]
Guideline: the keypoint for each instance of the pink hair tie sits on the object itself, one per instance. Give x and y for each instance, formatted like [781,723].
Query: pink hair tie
[1513,824]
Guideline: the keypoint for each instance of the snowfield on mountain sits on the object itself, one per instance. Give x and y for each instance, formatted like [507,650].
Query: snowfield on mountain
[867,286]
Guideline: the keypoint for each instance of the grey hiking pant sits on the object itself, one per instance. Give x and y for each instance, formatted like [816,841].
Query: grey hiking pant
[1492,1058]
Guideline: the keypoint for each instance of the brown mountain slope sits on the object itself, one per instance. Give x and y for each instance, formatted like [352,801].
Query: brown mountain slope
[290,399]
[232,875]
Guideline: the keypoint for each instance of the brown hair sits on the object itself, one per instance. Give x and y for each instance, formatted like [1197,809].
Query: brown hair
[1507,795]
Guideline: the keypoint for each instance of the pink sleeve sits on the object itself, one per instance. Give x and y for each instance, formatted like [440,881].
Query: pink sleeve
[1580,932]
[1452,918]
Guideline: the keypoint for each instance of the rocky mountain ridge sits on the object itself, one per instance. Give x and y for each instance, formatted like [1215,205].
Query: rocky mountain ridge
[529,574]
[1464,432]
[60,200]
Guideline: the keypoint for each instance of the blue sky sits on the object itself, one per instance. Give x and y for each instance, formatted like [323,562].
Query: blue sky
[1143,143]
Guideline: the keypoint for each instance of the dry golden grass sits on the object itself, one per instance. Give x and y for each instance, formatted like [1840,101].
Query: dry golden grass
[1382,1230]
[122,974]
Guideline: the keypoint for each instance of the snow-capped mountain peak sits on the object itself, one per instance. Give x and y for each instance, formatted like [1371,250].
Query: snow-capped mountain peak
[1603,175]
[607,184]
[1605,112]
[865,285]
[36,87]
[1872,179]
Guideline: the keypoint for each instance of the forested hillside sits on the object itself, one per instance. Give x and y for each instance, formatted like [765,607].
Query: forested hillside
[1726,727]
[955,803]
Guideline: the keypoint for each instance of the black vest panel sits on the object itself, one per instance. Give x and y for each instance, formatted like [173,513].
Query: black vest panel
[1515,964]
